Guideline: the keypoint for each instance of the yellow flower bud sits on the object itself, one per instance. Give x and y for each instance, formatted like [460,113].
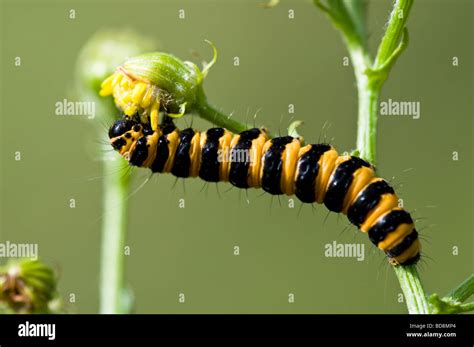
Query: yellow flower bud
[154,82]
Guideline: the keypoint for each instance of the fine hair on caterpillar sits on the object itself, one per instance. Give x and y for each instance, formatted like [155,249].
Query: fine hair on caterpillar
[280,165]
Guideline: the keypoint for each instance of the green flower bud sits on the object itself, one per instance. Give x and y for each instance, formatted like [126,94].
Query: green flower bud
[99,58]
[27,286]
[155,82]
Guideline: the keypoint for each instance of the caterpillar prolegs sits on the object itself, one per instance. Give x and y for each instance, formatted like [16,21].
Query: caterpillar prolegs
[281,165]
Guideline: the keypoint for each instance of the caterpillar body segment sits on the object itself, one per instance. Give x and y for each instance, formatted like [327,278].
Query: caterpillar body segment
[314,173]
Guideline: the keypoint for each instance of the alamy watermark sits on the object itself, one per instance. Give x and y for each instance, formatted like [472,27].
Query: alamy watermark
[28,329]
[235,156]
[75,108]
[400,108]
[18,250]
[345,250]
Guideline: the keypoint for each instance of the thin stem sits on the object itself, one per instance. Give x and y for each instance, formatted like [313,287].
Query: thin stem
[412,289]
[216,117]
[366,139]
[114,229]
[389,49]
[462,292]
[369,87]
[394,31]
[349,18]
[368,97]
[466,307]
[453,302]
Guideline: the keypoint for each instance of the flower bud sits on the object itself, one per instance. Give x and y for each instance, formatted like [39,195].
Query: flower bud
[154,82]
[27,286]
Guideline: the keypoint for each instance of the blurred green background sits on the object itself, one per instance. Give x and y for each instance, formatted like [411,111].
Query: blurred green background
[282,61]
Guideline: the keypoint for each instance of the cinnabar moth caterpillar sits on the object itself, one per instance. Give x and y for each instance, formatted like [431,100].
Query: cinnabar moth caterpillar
[282,165]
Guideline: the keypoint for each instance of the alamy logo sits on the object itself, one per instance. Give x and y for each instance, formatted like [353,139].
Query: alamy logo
[19,250]
[75,108]
[37,330]
[400,108]
[345,250]
[235,156]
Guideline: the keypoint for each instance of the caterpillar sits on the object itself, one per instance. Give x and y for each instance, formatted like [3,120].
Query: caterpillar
[281,165]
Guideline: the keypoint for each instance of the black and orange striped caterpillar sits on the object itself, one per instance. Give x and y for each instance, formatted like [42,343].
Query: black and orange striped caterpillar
[281,165]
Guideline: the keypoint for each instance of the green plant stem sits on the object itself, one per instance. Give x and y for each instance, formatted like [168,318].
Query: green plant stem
[114,229]
[369,88]
[453,302]
[216,117]
[393,33]
[208,112]
[462,292]
[348,17]
[412,288]
[466,307]
[368,96]
[367,125]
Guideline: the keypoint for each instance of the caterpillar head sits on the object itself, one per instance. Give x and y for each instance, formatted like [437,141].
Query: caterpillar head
[120,127]
[125,132]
